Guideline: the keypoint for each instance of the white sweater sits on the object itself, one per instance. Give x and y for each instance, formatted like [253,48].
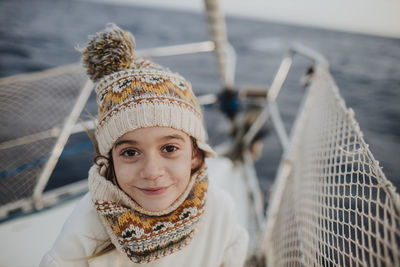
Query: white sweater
[219,241]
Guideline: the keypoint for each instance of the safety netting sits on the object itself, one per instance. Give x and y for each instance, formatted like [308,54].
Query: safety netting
[331,204]
[33,109]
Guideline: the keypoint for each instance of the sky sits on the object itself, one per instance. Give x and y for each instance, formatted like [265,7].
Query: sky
[375,17]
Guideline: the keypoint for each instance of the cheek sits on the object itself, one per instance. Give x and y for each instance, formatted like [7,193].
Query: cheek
[182,169]
[121,173]
[124,173]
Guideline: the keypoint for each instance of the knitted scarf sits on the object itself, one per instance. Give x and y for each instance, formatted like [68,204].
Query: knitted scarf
[144,236]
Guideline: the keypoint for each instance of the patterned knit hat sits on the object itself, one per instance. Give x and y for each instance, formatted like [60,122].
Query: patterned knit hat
[134,92]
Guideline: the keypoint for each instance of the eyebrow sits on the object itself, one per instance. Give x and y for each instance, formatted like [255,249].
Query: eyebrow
[173,136]
[122,142]
[164,138]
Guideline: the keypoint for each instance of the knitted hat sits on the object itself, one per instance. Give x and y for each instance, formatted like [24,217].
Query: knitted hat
[134,92]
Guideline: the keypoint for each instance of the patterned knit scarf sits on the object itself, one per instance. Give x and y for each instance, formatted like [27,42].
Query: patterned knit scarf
[145,236]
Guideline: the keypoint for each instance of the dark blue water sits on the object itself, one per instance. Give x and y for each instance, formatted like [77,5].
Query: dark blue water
[41,34]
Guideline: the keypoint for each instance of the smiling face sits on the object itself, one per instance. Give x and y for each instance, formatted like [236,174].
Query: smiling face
[153,165]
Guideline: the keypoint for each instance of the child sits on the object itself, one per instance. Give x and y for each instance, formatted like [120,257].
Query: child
[149,199]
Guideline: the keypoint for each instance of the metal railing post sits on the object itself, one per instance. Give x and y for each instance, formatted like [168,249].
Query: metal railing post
[59,146]
[224,52]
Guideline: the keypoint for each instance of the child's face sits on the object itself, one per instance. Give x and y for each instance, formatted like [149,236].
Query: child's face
[153,165]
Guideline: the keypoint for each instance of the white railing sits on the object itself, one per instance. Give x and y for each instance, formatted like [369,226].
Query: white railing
[331,204]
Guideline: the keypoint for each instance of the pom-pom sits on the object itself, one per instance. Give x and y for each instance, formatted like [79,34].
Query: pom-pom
[108,51]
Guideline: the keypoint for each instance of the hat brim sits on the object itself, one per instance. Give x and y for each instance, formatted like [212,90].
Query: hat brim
[208,151]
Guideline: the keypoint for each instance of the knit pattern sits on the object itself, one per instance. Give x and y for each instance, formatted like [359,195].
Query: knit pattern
[145,236]
[128,87]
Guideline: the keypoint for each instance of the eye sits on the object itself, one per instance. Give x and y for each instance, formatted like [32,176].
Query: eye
[130,153]
[169,148]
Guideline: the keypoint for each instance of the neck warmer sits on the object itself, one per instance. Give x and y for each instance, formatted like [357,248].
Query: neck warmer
[144,236]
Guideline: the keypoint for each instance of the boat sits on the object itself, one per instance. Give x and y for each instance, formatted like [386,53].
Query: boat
[330,204]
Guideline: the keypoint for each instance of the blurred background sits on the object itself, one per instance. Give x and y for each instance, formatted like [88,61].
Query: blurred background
[360,39]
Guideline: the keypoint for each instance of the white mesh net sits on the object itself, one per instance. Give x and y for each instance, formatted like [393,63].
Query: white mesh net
[332,204]
[33,108]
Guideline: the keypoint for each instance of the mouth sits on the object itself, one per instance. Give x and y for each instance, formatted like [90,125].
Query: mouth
[154,190]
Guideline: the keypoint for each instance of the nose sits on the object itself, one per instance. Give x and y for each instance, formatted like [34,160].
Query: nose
[151,168]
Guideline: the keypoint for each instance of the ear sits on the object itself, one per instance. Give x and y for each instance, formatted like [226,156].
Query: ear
[197,159]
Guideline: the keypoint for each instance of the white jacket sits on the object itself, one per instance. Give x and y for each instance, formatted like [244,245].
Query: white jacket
[219,241]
